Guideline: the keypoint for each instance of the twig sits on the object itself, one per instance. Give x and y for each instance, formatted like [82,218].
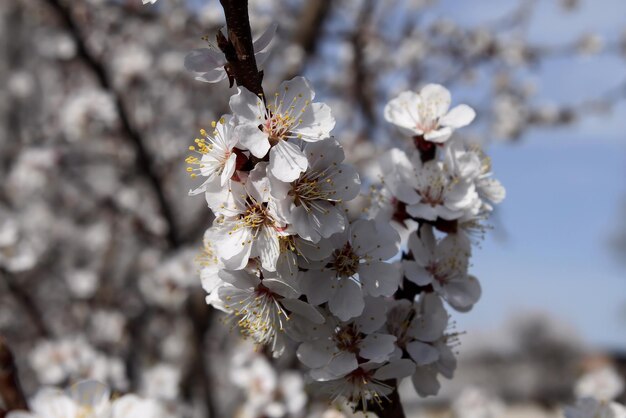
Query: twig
[238,48]
[10,388]
[144,161]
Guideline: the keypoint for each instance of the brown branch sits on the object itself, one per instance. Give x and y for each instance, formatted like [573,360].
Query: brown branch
[26,302]
[308,34]
[143,159]
[238,48]
[199,376]
[362,81]
[10,388]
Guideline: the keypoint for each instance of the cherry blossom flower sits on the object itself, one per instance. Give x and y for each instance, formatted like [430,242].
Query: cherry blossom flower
[311,203]
[427,188]
[473,165]
[604,384]
[216,160]
[210,62]
[356,267]
[428,113]
[368,382]
[249,225]
[280,123]
[264,304]
[420,332]
[339,345]
[269,392]
[443,264]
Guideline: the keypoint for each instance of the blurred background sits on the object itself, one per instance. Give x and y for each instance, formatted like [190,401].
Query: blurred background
[98,236]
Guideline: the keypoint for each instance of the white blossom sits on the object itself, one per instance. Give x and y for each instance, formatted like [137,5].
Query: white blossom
[312,203]
[429,190]
[604,384]
[276,124]
[217,159]
[356,267]
[249,225]
[91,399]
[443,264]
[428,113]
[263,304]
[339,345]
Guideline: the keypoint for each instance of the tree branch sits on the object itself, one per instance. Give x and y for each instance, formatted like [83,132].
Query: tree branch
[26,302]
[143,159]
[238,48]
[310,25]
[10,388]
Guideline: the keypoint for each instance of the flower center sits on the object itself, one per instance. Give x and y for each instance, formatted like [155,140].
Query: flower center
[437,273]
[256,216]
[346,262]
[277,127]
[260,315]
[428,121]
[347,338]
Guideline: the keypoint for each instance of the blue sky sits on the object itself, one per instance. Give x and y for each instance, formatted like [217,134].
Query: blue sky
[565,188]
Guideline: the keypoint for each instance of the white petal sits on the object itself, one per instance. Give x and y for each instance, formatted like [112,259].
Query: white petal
[239,278]
[438,136]
[345,183]
[462,294]
[438,97]
[416,273]
[459,116]
[247,107]
[380,279]
[265,38]
[316,354]
[304,309]
[347,300]
[204,60]
[317,287]
[340,365]
[396,369]
[425,381]
[250,137]
[212,76]
[317,122]
[229,169]
[374,315]
[402,111]
[267,247]
[431,319]
[377,347]
[422,353]
[287,161]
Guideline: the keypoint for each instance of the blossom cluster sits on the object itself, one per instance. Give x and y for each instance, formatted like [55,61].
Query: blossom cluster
[292,266]
[89,398]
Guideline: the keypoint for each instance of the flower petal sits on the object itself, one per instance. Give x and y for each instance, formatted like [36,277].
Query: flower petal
[347,300]
[459,116]
[287,161]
